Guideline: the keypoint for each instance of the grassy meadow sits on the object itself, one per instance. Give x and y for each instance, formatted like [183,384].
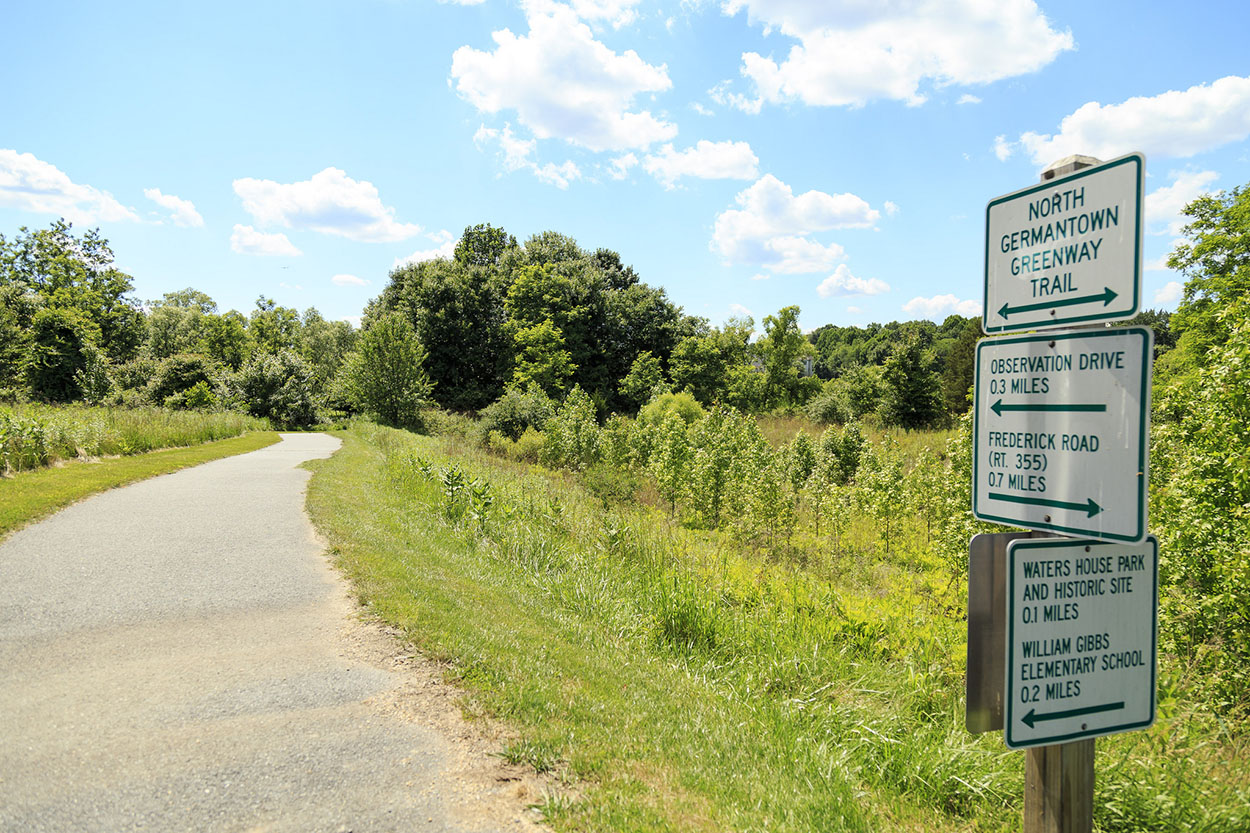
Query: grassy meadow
[685,675]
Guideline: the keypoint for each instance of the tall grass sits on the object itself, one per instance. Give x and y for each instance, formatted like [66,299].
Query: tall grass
[33,436]
[818,691]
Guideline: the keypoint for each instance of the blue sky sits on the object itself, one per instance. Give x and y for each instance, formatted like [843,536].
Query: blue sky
[745,155]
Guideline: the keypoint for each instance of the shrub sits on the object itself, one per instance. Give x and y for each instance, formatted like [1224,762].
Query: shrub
[573,433]
[179,373]
[278,387]
[516,412]
[682,404]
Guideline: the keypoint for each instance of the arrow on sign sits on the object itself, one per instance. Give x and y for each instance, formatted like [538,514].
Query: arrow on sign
[998,407]
[1089,507]
[1031,718]
[1106,296]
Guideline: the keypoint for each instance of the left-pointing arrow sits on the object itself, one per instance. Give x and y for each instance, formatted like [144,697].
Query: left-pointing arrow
[1032,717]
[1047,407]
[1088,507]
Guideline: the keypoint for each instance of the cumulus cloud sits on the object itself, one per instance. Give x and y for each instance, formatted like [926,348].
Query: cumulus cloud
[1165,204]
[348,280]
[1174,123]
[1169,294]
[562,83]
[330,202]
[619,167]
[181,211]
[940,306]
[517,154]
[30,184]
[1003,148]
[706,160]
[849,54]
[968,98]
[354,320]
[445,249]
[772,227]
[246,240]
[891,208]
[842,283]
[738,309]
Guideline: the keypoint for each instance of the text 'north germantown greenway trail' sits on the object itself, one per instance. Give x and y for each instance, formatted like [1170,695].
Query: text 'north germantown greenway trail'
[178,655]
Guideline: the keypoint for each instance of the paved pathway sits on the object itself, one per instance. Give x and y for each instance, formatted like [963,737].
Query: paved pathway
[177,656]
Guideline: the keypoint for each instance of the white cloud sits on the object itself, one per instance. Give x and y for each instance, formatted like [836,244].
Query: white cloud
[1174,123]
[446,249]
[706,160]
[354,320]
[1169,294]
[617,12]
[182,212]
[562,83]
[891,208]
[30,184]
[1164,205]
[855,310]
[1003,148]
[619,167]
[772,227]
[968,98]
[842,283]
[246,240]
[348,280]
[738,309]
[518,155]
[558,175]
[851,53]
[940,306]
[762,276]
[702,110]
[293,286]
[330,202]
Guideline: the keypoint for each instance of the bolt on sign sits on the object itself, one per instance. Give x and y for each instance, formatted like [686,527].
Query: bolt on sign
[1067,251]
[1081,640]
[1061,426]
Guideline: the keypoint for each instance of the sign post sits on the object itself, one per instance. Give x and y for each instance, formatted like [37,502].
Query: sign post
[1061,426]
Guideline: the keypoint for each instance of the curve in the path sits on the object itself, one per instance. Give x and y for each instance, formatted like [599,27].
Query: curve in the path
[173,660]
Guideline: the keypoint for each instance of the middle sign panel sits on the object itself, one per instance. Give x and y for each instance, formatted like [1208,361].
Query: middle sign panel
[1061,427]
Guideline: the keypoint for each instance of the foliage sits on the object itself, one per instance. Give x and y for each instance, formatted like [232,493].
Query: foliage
[682,404]
[516,412]
[386,375]
[277,387]
[61,342]
[644,380]
[912,390]
[572,433]
[541,359]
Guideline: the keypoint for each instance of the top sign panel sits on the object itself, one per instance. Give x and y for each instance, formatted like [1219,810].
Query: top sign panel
[1066,252]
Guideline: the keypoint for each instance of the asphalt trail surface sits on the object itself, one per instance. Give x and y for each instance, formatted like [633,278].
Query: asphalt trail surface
[177,655]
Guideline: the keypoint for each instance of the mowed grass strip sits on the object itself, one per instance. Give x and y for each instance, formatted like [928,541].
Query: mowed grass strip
[29,496]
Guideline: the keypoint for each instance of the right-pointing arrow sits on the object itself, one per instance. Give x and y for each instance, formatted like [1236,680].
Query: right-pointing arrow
[1106,296]
[1088,507]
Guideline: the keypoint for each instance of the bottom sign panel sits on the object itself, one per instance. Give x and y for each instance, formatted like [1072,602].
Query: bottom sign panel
[1081,639]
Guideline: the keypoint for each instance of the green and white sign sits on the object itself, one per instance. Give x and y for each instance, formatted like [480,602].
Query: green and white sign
[1067,251]
[1081,639]
[1061,425]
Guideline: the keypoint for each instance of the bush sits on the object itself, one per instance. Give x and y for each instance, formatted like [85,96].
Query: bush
[179,373]
[827,406]
[386,375]
[198,397]
[573,433]
[278,387]
[515,412]
[682,404]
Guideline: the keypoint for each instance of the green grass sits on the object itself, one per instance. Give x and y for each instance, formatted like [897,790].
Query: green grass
[33,435]
[32,495]
[682,683]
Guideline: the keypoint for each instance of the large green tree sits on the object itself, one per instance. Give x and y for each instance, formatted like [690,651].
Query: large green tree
[386,374]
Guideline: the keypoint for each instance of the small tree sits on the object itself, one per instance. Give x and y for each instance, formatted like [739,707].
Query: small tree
[541,359]
[643,380]
[278,386]
[913,392]
[387,375]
